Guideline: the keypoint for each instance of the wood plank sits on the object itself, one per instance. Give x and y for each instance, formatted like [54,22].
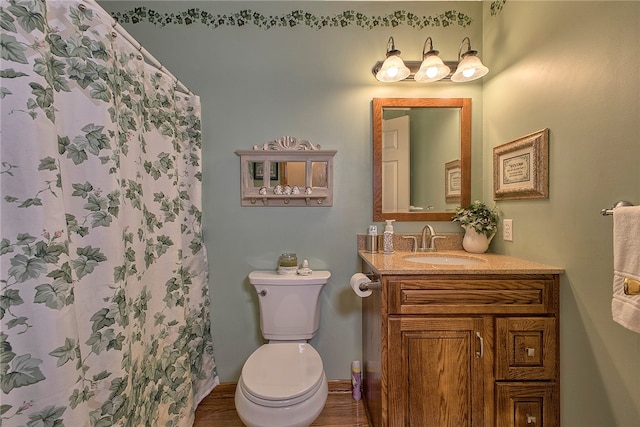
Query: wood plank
[218,408]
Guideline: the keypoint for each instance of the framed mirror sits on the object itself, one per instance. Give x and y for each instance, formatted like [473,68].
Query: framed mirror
[421,158]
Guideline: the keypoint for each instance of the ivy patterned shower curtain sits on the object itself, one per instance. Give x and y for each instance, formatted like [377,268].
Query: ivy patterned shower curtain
[104,306]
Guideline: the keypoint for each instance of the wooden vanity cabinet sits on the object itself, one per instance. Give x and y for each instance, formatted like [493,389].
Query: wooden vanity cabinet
[462,350]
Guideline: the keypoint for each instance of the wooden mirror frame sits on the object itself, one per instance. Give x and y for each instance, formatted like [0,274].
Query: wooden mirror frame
[464,104]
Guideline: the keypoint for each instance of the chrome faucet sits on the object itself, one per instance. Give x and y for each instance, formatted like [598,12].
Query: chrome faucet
[424,245]
[430,246]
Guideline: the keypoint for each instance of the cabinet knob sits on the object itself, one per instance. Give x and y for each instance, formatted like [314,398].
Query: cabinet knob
[531,352]
[531,419]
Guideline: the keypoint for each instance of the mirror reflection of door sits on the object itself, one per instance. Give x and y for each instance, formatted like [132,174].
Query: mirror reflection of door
[396,187]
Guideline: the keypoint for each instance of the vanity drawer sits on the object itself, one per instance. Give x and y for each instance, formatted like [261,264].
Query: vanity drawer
[526,348]
[472,294]
[527,404]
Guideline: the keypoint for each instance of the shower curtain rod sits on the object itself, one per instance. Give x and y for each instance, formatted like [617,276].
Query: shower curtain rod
[149,58]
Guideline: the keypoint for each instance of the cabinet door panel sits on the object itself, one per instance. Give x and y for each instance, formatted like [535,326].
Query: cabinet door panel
[437,370]
[439,367]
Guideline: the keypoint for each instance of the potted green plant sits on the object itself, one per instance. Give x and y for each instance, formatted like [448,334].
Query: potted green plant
[480,224]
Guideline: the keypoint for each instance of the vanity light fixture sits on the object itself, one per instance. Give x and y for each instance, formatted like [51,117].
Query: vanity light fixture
[468,67]
[393,68]
[432,68]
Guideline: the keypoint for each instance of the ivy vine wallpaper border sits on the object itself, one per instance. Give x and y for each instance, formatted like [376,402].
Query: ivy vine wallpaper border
[496,7]
[292,19]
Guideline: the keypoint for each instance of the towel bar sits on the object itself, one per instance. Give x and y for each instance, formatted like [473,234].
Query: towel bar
[615,205]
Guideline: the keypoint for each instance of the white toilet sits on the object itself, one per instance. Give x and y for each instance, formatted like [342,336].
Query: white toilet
[283,382]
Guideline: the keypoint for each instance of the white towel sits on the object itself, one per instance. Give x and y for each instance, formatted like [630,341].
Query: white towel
[626,264]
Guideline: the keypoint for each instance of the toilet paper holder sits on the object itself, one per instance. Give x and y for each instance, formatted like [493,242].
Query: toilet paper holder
[373,285]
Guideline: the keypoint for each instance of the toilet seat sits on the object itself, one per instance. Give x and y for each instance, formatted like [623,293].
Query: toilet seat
[282,374]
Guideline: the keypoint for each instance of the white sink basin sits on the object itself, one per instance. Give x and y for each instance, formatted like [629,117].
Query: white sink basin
[444,259]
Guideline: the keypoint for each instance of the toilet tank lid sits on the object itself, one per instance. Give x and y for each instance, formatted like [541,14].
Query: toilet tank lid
[273,278]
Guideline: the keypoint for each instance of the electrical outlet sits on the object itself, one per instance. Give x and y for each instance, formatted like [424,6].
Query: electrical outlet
[507,230]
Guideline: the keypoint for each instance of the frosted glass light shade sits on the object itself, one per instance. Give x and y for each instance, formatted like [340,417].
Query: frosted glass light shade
[470,68]
[432,69]
[393,70]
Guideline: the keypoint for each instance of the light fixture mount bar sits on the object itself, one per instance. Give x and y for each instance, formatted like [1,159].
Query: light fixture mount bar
[414,66]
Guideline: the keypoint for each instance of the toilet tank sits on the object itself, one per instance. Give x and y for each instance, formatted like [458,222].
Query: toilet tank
[289,304]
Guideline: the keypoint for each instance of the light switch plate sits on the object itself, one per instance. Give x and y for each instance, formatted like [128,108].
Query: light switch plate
[507,230]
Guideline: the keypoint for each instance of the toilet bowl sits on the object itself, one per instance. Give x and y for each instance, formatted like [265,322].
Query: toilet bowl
[281,385]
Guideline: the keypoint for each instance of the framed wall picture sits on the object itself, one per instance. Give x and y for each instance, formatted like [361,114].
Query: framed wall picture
[521,168]
[258,171]
[452,181]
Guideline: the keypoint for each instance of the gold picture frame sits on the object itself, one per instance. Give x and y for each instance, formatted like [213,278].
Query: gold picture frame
[452,181]
[521,168]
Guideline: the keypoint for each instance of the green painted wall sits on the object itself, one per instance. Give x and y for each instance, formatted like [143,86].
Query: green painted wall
[573,67]
[259,84]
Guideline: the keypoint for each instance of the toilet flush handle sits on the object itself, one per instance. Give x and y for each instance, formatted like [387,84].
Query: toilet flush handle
[263,293]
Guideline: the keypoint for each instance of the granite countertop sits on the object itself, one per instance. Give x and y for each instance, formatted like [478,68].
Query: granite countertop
[397,263]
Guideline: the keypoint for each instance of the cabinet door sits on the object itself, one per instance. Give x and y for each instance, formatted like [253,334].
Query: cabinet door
[437,369]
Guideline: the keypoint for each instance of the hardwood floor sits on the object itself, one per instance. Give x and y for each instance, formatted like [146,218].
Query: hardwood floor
[218,409]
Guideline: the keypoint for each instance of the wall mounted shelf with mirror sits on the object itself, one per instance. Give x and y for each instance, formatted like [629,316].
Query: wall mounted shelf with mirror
[421,158]
[286,172]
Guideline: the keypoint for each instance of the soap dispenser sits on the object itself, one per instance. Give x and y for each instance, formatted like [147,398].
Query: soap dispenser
[387,239]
